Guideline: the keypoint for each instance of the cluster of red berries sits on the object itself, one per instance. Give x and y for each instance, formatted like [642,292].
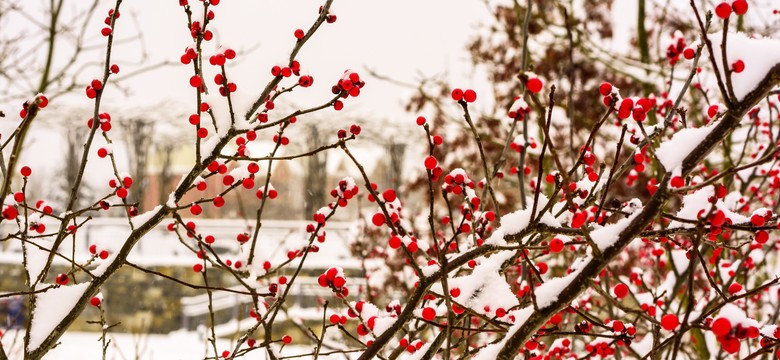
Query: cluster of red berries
[112,16]
[36,225]
[197,30]
[241,141]
[269,192]
[354,129]
[468,95]
[220,58]
[677,48]
[456,182]
[519,109]
[729,336]
[285,71]
[411,347]
[636,109]
[42,100]
[345,191]
[334,279]
[105,123]
[95,251]
[121,188]
[94,87]
[395,242]
[724,9]
[349,85]
[330,18]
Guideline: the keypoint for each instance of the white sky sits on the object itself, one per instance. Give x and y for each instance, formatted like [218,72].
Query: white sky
[406,41]
[402,40]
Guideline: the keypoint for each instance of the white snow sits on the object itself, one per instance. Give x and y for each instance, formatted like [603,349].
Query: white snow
[608,235]
[547,293]
[141,219]
[672,152]
[516,222]
[491,351]
[736,316]
[51,307]
[485,286]
[759,55]
[697,203]
[680,260]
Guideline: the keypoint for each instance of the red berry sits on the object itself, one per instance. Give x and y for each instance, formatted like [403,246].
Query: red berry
[669,322]
[457,94]
[723,10]
[618,326]
[556,245]
[10,213]
[431,162]
[197,267]
[420,121]
[62,279]
[106,31]
[735,288]
[196,81]
[95,301]
[621,290]
[731,345]
[740,7]
[738,66]
[721,326]
[689,53]
[429,313]
[534,85]
[678,182]
[195,209]
[26,171]
[378,219]
[299,34]
[605,89]
[757,220]
[713,110]
[470,95]
[389,195]
[115,69]
[286,339]
[762,237]
[395,242]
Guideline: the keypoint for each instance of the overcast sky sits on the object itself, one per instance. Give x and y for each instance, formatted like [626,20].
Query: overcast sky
[403,39]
